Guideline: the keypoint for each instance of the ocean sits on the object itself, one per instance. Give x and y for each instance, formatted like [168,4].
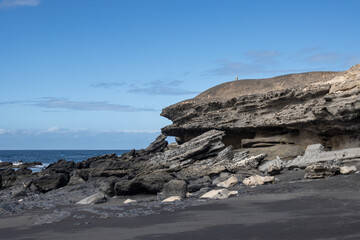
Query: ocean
[49,156]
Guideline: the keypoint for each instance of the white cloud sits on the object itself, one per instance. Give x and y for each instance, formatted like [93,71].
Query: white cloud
[55,130]
[161,87]
[19,3]
[107,84]
[58,130]
[263,57]
[61,103]
[3,131]
[324,57]
[227,67]
[131,131]
[86,105]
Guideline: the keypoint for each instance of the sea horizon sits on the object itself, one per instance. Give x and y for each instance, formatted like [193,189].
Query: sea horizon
[49,156]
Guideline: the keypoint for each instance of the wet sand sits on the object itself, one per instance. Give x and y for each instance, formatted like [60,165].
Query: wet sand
[318,209]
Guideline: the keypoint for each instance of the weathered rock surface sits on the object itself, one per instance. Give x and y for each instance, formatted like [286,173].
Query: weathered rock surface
[204,146]
[48,182]
[315,153]
[232,181]
[258,180]
[279,116]
[158,145]
[172,199]
[348,170]
[272,167]
[7,177]
[239,163]
[199,183]
[218,194]
[321,170]
[174,188]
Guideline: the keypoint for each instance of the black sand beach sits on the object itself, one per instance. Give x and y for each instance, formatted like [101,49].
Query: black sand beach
[305,209]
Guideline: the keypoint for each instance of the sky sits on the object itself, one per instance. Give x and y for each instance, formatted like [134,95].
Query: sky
[95,74]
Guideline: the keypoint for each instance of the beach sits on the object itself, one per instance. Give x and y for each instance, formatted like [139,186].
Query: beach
[303,209]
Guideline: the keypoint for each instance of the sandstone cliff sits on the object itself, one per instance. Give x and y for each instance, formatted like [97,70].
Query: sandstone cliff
[279,116]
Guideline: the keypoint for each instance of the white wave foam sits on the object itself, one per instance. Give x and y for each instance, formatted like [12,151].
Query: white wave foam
[17,163]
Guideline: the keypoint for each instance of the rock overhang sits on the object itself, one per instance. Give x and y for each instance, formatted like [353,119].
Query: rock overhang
[305,108]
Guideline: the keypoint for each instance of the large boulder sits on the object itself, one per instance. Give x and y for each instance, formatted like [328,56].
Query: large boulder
[230,182]
[105,185]
[258,180]
[48,182]
[321,170]
[21,185]
[61,166]
[199,183]
[272,167]
[174,188]
[151,183]
[7,177]
[348,169]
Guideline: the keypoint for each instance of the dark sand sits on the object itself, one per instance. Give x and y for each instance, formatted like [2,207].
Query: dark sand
[318,209]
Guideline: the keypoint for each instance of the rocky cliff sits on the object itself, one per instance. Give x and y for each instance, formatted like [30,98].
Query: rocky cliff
[278,116]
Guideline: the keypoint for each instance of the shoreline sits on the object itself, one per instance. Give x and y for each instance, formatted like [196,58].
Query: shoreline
[325,208]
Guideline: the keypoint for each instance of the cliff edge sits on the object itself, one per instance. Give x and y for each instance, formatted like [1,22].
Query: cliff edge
[278,116]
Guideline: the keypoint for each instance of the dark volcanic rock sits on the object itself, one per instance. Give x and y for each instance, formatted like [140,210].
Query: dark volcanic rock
[174,188]
[61,166]
[48,182]
[8,177]
[197,184]
[106,185]
[158,145]
[21,185]
[21,164]
[23,171]
[6,165]
[150,183]
[31,164]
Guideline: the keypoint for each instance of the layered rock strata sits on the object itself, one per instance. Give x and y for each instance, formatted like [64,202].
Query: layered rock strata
[279,116]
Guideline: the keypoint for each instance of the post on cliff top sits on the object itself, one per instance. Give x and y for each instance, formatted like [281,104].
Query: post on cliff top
[236,78]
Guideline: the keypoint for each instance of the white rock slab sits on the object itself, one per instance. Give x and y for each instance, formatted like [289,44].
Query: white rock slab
[347,170]
[230,182]
[218,194]
[258,180]
[130,201]
[172,199]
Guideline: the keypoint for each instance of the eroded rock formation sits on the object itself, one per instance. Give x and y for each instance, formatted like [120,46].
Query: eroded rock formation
[279,116]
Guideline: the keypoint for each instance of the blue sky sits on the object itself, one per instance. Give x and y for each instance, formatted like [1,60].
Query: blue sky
[96,74]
